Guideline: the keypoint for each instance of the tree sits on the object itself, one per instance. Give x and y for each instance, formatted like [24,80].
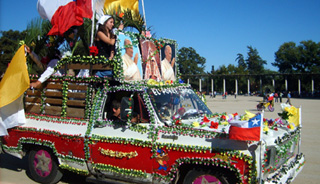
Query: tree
[309,57]
[304,58]
[241,61]
[254,61]
[286,57]
[190,62]
[230,80]
[9,43]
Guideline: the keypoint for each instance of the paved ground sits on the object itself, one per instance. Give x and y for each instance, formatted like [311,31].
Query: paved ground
[12,170]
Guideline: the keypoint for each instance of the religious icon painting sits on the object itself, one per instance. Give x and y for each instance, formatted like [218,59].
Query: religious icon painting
[168,61]
[150,60]
[128,45]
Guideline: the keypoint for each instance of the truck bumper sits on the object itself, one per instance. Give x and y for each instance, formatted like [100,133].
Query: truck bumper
[288,172]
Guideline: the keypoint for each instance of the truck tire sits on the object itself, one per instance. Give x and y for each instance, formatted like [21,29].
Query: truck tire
[199,176]
[43,167]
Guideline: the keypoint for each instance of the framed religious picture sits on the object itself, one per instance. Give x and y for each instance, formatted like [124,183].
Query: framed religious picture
[150,59]
[168,61]
[128,46]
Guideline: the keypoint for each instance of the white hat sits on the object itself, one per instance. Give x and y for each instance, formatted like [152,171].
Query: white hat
[102,20]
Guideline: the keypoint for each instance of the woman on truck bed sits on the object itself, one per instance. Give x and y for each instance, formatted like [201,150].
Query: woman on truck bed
[105,40]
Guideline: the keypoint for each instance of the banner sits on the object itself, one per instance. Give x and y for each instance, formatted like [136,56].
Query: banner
[12,87]
[63,14]
[15,80]
[110,5]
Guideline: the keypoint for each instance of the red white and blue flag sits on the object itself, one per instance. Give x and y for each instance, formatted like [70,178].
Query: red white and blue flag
[63,14]
[246,130]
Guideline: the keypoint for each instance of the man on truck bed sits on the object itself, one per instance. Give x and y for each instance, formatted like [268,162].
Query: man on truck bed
[54,57]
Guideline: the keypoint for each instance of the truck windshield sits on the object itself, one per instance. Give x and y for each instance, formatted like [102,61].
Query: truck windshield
[177,103]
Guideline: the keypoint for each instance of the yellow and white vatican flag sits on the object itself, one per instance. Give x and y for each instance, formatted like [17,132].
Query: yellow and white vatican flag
[12,86]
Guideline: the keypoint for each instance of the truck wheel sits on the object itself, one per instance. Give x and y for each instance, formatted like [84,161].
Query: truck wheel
[43,166]
[198,177]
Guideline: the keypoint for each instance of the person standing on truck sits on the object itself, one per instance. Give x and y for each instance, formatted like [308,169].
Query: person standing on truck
[167,65]
[105,40]
[54,57]
[130,69]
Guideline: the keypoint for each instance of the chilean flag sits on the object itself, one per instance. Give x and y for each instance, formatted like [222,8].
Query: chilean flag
[246,130]
[63,14]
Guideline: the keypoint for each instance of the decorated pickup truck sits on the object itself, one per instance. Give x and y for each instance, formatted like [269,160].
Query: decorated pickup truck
[164,134]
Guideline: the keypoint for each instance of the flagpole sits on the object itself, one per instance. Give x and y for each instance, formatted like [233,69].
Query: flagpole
[92,21]
[300,125]
[144,15]
[260,160]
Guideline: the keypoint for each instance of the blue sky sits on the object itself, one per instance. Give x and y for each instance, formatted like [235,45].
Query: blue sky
[217,29]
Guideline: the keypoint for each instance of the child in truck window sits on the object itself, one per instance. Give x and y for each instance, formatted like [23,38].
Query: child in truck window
[115,111]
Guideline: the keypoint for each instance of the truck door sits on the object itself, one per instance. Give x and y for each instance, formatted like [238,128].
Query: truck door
[119,146]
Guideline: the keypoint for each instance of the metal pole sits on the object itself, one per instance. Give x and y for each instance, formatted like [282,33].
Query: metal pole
[299,86]
[224,86]
[260,154]
[273,84]
[236,86]
[144,14]
[248,87]
[260,84]
[300,125]
[286,84]
[92,21]
[212,87]
[312,86]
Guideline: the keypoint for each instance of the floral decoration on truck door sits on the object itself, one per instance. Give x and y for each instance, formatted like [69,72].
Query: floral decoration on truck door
[118,154]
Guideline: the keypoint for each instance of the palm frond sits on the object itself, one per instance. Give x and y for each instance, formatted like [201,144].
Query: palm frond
[36,36]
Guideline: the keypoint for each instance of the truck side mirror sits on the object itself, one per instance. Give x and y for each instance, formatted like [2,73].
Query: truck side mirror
[125,108]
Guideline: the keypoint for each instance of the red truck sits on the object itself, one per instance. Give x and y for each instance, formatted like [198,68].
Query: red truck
[175,137]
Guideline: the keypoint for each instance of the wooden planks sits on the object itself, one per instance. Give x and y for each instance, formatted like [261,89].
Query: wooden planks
[79,66]
[51,97]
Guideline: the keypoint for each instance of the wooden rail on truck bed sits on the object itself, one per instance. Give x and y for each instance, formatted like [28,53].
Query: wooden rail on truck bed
[51,98]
